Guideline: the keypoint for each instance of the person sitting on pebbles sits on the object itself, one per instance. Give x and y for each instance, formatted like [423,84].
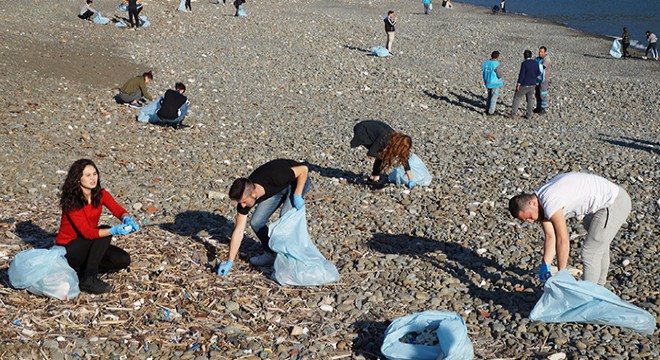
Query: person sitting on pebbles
[604,205]
[135,89]
[386,146]
[280,182]
[88,249]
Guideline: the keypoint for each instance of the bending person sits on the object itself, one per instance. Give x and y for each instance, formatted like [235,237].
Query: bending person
[87,11]
[604,205]
[136,88]
[276,183]
[387,146]
[88,249]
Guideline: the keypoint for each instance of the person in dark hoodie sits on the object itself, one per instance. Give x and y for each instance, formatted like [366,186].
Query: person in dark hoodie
[526,84]
[390,20]
[171,111]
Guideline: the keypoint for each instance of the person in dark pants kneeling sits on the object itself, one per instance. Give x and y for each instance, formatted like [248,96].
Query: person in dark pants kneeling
[87,11]
[171,106]
[88,249]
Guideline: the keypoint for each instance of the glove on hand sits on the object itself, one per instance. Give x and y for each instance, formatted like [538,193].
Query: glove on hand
[129,221]
[298,202]
[544,272]
[224,268]
[121,230]
[411,184]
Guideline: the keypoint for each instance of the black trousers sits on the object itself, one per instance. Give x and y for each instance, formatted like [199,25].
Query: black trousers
[134,17]
[87,15]
[188,5]
[89,257]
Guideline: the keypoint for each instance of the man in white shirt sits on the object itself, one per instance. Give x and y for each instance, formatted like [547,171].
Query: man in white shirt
[604,205]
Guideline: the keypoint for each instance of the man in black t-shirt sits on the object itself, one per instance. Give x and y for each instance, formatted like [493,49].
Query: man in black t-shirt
[280,182]
[170,106]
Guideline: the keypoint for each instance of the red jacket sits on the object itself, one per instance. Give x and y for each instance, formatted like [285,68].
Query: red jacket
[86,220]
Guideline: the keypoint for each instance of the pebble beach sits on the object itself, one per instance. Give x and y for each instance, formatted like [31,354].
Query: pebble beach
[290,81]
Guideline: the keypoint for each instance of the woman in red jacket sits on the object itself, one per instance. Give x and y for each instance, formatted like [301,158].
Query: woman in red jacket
[88,248]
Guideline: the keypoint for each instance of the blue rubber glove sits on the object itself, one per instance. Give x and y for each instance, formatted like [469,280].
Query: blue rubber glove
[224,268]
[298,202]
[411,184]
[544,272]
[121,230]
[129,221]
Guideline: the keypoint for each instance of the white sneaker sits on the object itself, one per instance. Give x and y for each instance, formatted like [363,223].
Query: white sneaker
[644,57]
[263,259]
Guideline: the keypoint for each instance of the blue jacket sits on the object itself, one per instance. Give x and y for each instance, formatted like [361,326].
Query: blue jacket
[491,80]
[529,71]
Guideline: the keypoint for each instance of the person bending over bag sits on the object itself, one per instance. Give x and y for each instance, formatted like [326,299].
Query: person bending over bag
[387,146]
[88,249]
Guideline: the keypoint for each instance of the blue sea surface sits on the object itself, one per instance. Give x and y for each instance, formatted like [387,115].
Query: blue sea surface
[604,17]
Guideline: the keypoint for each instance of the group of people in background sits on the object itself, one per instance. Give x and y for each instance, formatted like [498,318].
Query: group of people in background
[532,83]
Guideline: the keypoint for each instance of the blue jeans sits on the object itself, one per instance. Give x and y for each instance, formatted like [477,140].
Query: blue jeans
[266,208]
[491,101]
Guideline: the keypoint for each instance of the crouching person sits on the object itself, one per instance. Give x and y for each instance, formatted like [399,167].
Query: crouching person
[170,109]
[88,248]
[278,183]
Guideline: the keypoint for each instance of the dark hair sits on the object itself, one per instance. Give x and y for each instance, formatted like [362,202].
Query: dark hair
[648,32]
[518,203]
[180,86]
[625,29]
[544,48]
[148,75]
[238,188]
[72,197]
[527,54]
[495,54]
[89,1]
[390,12]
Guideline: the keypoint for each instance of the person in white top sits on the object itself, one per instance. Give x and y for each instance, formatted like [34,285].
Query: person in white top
[604,205]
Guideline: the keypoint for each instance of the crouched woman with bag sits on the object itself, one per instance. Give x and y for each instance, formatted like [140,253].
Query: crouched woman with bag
[88,249]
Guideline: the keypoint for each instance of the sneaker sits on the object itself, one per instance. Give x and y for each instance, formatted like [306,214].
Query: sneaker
[143,100]
[374,184]
[135,105]
[539,111]
[94,285]
[644,57]
[263,259]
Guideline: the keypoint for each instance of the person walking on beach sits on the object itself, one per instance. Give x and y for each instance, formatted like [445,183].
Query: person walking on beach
[527,77]
[503,6]
[134,13]
[88,248]
[652,46]
[541,89]
[280,182]
[427,6]
[238,4]
[386,146]
[136,88]
[604,205]
[625,42]
[87,11]
[390,20]
[490,70]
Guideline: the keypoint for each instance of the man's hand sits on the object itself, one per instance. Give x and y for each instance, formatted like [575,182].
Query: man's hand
[298,201]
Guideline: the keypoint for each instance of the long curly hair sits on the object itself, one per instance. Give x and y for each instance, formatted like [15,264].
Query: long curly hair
[396,152]
[72,197]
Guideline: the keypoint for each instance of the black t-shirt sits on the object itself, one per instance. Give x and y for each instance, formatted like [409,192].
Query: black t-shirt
[169,106]
[274,176]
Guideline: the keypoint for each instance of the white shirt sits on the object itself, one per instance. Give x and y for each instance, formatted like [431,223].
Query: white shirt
[578,194]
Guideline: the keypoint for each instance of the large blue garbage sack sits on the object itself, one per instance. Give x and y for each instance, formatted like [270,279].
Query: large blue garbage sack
[182,6]
[99,19]
[44,272]
[419,171]
[616,49]
[453,341]
[241,11]
[298,261]
[565,299]
[380,51]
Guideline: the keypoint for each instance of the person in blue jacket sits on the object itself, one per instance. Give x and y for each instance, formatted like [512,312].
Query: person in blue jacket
[490,70]
[529,72]
[427,6]
[541,91]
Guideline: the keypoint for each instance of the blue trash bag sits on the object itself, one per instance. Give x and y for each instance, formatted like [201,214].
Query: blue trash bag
[122,7]
[44,272]
[453,340]
[616,49]
[240,11]
[380,51]
[145,22]
[121,23]
[182,6]
[420,173]
[298,261]
[98,19]
[565,299]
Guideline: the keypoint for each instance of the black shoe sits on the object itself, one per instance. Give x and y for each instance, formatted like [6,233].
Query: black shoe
[375,185]
[539,111]
[94,285]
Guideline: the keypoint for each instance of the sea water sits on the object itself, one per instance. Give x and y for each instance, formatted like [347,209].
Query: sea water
[603,17]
